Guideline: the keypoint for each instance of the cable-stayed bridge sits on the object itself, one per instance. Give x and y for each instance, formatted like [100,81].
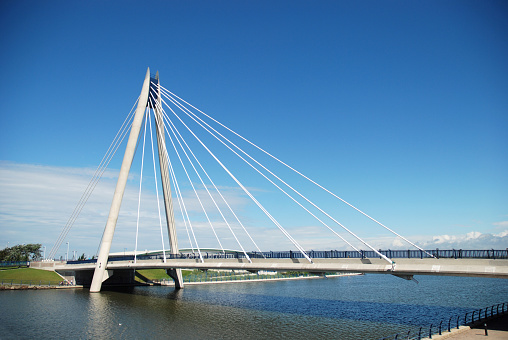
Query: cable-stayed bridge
[168,111]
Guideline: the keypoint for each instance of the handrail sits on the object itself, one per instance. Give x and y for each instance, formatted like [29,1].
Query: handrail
[14,263]
[417,335]
[326,254]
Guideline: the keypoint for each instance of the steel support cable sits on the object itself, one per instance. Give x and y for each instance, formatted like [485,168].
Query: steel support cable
[295,243]
[124,134]
[179,200]
[202,182]
[195,191]
[156,186]
[192,185]
[181,197]
[92,183]
[292,198]
[209,194]
[262,208]
[251,196]
[139,196]
[183,209]
[204,185]
[137,144]
[185,170]
[84,198]
[225,202]
[299,173]
[181,203]
[91,186]
[223,198]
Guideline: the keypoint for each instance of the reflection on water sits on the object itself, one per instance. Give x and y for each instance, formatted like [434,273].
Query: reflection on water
[360,307]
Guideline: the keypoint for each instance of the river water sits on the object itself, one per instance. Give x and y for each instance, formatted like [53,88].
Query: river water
[354,307]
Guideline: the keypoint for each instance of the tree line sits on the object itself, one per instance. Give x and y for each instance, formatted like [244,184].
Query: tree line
[21,252]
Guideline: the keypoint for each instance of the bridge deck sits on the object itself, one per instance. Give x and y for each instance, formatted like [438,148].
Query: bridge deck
[453,267]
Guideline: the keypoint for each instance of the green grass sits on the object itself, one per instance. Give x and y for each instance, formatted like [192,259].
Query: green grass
[160,274]
[10,267]
[153,274]
[28,274]
[189,272]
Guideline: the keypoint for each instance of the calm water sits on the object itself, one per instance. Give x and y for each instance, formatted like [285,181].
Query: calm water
[357,307]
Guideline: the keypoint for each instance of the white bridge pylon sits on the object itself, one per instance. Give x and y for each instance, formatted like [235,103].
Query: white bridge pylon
[153,96]
[144,103]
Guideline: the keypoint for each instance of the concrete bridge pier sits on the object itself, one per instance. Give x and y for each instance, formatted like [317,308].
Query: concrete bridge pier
[176,275]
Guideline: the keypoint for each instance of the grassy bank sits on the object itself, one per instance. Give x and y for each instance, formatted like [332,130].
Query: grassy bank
[26,275]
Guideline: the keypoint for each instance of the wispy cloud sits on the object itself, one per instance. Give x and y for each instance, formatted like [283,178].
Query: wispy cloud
[471,240]
[36,202]
[502,224]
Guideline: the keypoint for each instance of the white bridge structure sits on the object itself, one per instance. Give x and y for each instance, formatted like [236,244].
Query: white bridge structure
[152,100]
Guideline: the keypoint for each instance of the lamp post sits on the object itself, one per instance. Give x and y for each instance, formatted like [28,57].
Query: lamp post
[44,256]
[67,254]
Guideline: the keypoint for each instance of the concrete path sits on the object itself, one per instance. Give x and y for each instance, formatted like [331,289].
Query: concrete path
[497,329]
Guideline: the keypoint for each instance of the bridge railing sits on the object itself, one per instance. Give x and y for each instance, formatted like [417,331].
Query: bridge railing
[469,319]
[14,263]
[322,254]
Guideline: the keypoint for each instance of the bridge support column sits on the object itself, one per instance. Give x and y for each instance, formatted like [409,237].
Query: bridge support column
[109,230]
[176,274]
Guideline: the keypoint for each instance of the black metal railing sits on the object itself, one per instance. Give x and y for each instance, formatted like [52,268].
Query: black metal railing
[14,263]
[322,254]
[453,322]
[339,254]
[412,254]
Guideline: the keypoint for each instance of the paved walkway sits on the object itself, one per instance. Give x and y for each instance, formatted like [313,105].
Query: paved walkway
[497,329]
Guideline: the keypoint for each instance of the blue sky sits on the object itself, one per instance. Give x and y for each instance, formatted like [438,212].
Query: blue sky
[400,107]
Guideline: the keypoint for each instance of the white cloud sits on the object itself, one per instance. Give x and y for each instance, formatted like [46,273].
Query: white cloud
[502,234]
[397,243]
[470,240]
[473,235]
[36,202]
[503,224]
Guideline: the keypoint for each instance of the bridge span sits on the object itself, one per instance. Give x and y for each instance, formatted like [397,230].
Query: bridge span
[121,269]
[428,266]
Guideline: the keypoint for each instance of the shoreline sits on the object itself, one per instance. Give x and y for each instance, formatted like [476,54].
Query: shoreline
[26,287]
[171,283]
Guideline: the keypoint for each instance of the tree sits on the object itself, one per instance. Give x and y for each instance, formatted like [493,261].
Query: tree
[23,252]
